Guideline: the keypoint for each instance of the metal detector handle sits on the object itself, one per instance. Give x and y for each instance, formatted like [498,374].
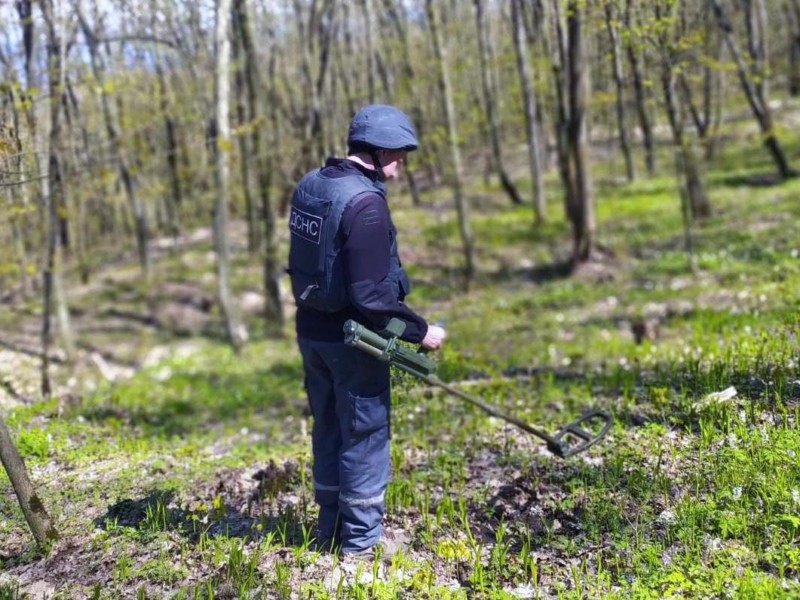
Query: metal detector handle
[560,444]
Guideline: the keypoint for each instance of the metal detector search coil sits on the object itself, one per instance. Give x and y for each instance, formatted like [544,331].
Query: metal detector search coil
[575,437]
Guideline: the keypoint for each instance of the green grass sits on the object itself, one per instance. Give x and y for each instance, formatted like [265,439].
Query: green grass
[150,478]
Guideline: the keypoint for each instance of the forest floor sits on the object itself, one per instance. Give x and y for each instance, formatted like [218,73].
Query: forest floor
[176,468]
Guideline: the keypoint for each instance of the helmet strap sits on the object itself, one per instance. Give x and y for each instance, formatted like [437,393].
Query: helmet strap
[376,162]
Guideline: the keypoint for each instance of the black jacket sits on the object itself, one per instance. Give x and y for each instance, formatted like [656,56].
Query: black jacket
[367,235]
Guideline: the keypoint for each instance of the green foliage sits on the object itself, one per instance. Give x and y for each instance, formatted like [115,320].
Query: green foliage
[34,443]
[10,591]
[689,496]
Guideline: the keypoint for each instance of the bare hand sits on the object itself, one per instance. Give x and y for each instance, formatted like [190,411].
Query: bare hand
[434,337]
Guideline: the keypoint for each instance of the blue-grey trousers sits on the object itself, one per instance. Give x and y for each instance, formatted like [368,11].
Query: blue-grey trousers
[350,400]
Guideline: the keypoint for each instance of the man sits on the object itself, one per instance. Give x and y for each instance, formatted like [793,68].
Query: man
[344,264]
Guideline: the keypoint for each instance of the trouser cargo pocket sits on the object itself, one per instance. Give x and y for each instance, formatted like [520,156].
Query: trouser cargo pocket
[370,413]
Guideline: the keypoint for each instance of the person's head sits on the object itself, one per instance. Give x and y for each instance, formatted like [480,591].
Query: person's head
[385,135]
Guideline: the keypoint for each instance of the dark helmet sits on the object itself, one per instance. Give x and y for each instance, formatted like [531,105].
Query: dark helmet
[382,126]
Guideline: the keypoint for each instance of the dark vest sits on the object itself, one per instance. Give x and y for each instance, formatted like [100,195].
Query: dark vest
[315,266]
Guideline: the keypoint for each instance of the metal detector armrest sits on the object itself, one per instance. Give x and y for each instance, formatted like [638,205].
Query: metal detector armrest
[385,347]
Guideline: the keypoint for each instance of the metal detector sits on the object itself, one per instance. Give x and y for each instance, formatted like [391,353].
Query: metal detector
[572,438]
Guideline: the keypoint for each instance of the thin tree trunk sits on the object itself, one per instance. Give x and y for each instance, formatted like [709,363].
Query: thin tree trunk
[39,521]
[273,305]
[52,196]
[529,108]
[792,10]
[315,35]
[558,60]
[369,51]
[245,121]
[446,94]
[712,86]
[536,37]
[581,206]
[756,23]
[73,171]
[640,93]
[94,201]
[19,247]
[758,103]
[347,75]
[221,139]
[118,152]
[489,103]
[619,83]
[19,218]
[686,164]
[682,172]
[393,11]
[175,199]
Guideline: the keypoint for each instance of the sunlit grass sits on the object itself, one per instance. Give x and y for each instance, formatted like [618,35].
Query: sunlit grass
[689,496]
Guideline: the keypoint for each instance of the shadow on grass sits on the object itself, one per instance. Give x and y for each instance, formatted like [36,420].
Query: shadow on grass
[751,180]
[537,274]
[158,512]
[446,282]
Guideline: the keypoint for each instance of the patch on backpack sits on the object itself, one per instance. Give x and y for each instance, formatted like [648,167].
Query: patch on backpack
[305,225]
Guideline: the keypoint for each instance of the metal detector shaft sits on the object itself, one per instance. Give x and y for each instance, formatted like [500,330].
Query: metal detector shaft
[491,409]
[384,347]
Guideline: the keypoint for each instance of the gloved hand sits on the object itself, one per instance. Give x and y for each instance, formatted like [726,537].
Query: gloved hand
[434,337]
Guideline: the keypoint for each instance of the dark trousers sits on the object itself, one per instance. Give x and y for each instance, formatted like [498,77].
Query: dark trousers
[350,400]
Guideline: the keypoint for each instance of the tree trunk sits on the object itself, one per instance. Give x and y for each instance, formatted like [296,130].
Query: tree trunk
[369,50]
[175,199]
[94,204]
[73,171]
[756,24]
[640,92]
[448,108]
[619,83]
[19,246]
[245,122]
[753,91]
[489,102]
[221,139]
[536,37]
[273,305]
[792,10]
[693,190]
[39,521]
[580,208]
[529,107]
[118,152]
[52,196]
[393,11]
[557,49]
[19,217]
[316,36]
[711,114]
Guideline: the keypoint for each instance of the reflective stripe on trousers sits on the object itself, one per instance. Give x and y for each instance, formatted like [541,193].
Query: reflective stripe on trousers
[349,396]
